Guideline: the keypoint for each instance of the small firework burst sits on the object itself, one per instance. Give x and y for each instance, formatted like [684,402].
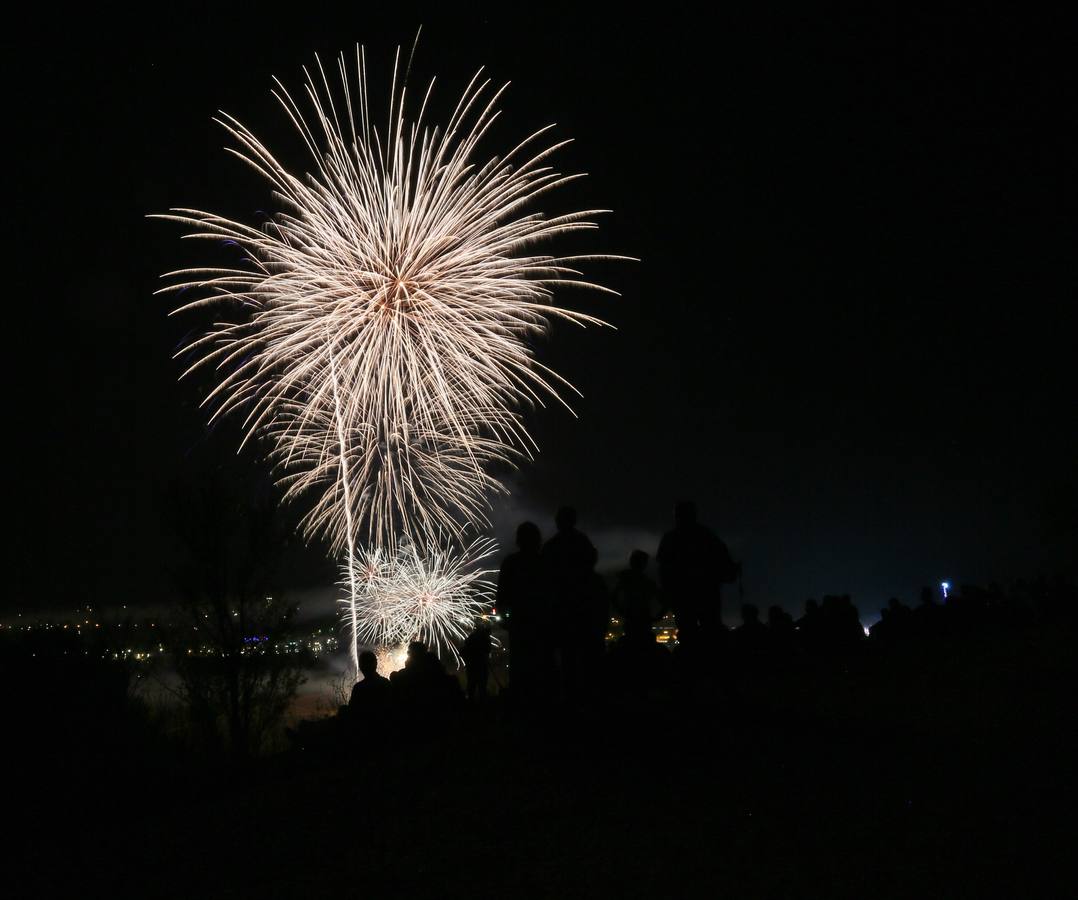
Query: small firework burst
[420,593]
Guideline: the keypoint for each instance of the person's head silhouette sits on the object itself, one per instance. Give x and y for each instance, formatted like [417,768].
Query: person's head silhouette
[685,512]
[565,519]
[528,537]
[638,561]
[368,663]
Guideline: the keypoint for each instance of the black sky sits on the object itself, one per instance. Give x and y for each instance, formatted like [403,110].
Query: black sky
[849,336]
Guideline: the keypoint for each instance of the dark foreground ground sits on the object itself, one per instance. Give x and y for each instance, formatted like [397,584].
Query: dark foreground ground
[945,773]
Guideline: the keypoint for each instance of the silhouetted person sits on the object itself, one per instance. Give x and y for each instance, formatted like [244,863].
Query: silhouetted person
[569,561]
[569,558]
[840,626]
[779,621]
[750,639]
[636,601]
[809,627]
[475,651]
[882,633]
[899,618]
[782,637]
[693,563]
[926,618]
[524,596]
[638,663]
[586,638]
[371,702]
[423,686]
[968,607]
[894,624]
[520,576]
[370,695]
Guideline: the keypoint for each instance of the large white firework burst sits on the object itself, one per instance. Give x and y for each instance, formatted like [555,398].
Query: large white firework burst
[376,330]
[419,592]
[357,478]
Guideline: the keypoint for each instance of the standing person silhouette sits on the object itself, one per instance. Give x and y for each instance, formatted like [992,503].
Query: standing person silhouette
[636,600]
[370,702]
[569,560]
[475,651]
[693,564]
[523,597]
[520,578]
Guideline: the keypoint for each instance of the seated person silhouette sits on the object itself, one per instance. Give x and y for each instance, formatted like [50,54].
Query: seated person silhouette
[423,682]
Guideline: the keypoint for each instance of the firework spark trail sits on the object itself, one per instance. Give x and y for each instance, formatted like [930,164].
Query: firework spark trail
[375,334]
[441,480]
[421,593]
[401,260]
[346,499]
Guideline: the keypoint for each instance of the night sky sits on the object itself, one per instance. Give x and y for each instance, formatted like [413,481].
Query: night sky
[849,336]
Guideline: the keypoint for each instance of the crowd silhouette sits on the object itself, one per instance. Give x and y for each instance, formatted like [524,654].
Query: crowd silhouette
[566,638]
[577,711]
